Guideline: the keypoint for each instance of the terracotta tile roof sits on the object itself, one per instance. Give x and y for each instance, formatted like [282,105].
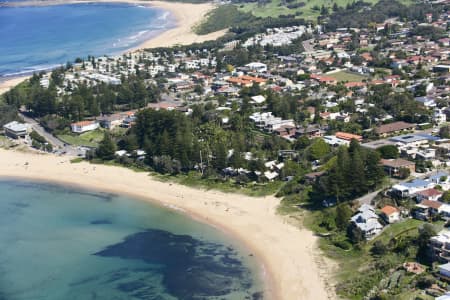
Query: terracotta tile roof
[348,136]
[430,193]
[389,210]
[354,84]
[432,204]
[83,123]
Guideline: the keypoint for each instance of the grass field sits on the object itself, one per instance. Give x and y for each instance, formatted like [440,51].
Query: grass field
[398,229]
[347,76]
[88,139]
[308,11]
[274,8]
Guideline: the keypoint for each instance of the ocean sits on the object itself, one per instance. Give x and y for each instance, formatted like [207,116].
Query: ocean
[59,242]
[34,38]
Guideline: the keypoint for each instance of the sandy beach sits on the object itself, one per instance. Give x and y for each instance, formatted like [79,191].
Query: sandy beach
[292,262]
[6,85]
[187,15]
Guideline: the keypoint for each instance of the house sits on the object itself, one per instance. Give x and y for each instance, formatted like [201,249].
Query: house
[313,176]
[311,131]
[446,296]
[427,102]
[426,209]
[348,136]
[391,214]
[16,130]
[439,116]
[428,194]
[285,131]
[410,140]
[367,221]
[394,128]
[408,189]
[324,79]
[84,126]
[393,166]
[440,246]
[444,271]
[257,67]
[114,120]
[270,175]
[441,178]
[259,99]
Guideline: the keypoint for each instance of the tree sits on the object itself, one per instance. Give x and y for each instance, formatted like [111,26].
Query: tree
[446,197]
[356,172]
[107,148]
[378,248]
[444,132]
[425,233]
[318,149]
[388,151]
[404,173]
[355,234]
[220,152]
[343,215]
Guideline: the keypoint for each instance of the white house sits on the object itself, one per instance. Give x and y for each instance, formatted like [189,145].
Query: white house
[83,126]
[439,116]
[367,221]
[427,102]
[446,296]
[257,67]
[440,245]
[407,189]
[391,214]
[16,130]
[258,99]
[444,270]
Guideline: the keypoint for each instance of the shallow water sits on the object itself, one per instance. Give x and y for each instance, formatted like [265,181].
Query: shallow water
[40,37]
[61,243]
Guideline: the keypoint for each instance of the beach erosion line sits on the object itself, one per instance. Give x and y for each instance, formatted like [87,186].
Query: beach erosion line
[287,252]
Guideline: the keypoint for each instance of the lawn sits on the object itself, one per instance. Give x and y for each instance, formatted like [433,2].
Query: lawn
[404,228]
[88,139]
[274,8]
[308,12]
[347,76]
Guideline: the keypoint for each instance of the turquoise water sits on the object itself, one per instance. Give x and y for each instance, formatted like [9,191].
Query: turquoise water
[61,243]
[40,37]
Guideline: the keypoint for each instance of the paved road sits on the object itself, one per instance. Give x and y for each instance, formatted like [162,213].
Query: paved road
[367,199]
[58,145]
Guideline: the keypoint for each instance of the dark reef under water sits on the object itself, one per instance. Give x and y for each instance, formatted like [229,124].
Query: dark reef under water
[191,268]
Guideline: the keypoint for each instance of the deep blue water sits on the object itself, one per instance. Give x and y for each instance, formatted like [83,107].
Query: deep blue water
[61,243]
[40,37]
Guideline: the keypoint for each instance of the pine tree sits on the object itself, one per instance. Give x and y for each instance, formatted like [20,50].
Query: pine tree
[356,177]
[106,148]
[220,153]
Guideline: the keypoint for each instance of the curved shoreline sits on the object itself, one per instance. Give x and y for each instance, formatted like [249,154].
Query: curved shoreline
[287,252]
[185,16]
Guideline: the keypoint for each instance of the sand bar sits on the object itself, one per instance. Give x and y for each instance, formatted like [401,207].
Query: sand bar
[289,254]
